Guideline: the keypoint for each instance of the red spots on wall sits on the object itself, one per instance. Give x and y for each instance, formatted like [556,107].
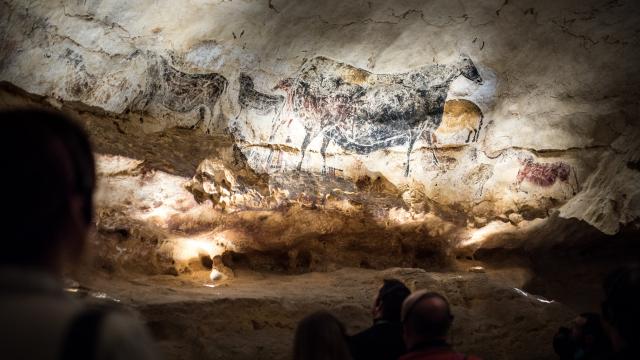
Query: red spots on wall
[543,174]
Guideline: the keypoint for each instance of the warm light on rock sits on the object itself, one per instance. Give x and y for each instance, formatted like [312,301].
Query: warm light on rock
[306,146]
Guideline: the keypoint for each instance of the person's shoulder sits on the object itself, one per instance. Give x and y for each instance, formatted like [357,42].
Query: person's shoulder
[363,334]
[125,337]
[372,331]
[448,355]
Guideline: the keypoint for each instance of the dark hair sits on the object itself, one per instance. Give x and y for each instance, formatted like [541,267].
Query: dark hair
[431,322]
[594,328]
[390,298]
[320,336]
[47,159]
[593,325]
[621,307]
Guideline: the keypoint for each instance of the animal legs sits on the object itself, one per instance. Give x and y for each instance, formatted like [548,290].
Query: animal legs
[323,152]
[478,130]
[277,122]
[469,136]
[239,112]
[303,149]
[412,140]
[432,147]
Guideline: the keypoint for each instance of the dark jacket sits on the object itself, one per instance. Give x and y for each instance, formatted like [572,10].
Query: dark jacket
[435,350]
[382,341]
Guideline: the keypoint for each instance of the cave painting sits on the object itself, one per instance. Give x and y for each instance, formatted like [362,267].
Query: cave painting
[461,115]
[361,111]
[543,174]
[249,98]
[179,91]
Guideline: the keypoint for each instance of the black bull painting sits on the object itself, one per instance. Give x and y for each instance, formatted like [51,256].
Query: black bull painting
[359,110]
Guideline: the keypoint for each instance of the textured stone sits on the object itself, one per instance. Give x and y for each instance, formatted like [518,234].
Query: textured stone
[298,136]
[255,316]
[541,111]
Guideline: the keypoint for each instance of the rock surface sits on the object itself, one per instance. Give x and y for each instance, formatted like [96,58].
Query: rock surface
[254,317]
[333,96]
[300,136]
[300,131]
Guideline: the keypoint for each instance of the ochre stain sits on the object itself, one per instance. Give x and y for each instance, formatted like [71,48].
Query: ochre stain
[355,76]
[458,115]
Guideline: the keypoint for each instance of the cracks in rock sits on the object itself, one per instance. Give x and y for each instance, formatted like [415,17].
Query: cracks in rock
[96,51]
[39,24]
[91,18]
[589,15]
[343,25]
[544,152]
[587,42]
[399,17]
[452,19]
[505,3]
[273,7]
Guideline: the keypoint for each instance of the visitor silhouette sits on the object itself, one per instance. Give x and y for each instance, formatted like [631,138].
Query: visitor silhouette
[426,319]
[586,339]
[621,311]
[320,336]
[383,340]
[49,179]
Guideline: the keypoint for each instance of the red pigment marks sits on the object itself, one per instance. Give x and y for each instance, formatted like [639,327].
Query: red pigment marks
[543,174]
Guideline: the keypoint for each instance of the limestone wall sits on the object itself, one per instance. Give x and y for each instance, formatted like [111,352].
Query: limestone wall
[315,128]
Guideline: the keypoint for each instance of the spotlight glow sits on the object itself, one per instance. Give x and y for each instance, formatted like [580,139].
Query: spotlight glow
[481,235]
[538,298]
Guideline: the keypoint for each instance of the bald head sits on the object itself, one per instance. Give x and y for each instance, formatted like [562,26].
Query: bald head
[425,315]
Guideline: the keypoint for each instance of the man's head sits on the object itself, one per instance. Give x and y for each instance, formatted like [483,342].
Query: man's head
[50,176]
[586,336]
[621,307]
[388,303]
[425,316]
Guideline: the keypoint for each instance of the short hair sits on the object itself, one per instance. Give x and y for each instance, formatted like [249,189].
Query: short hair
[429,322]
[390,298]
[593,324]
[320,336]
[621,307]
[47,159]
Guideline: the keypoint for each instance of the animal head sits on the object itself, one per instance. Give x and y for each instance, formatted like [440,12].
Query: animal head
[468,69]
[285,84]
[245,81]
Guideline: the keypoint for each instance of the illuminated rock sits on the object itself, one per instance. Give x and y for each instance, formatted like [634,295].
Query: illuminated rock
[309,136]
[256,316]
[322,136]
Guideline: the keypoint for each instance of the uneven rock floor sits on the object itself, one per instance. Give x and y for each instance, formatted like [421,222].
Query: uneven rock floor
[254,315]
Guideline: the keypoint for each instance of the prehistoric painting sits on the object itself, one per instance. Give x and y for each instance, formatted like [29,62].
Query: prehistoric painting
[543,174]
[358,110]
[461,115]
[179,91]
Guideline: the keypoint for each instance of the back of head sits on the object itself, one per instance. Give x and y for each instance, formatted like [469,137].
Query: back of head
[426,315]
[592,325]
[621,308]
[48,164]
[320,336]
[390,298]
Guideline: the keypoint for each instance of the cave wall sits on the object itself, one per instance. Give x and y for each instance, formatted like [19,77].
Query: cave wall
[368,133]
